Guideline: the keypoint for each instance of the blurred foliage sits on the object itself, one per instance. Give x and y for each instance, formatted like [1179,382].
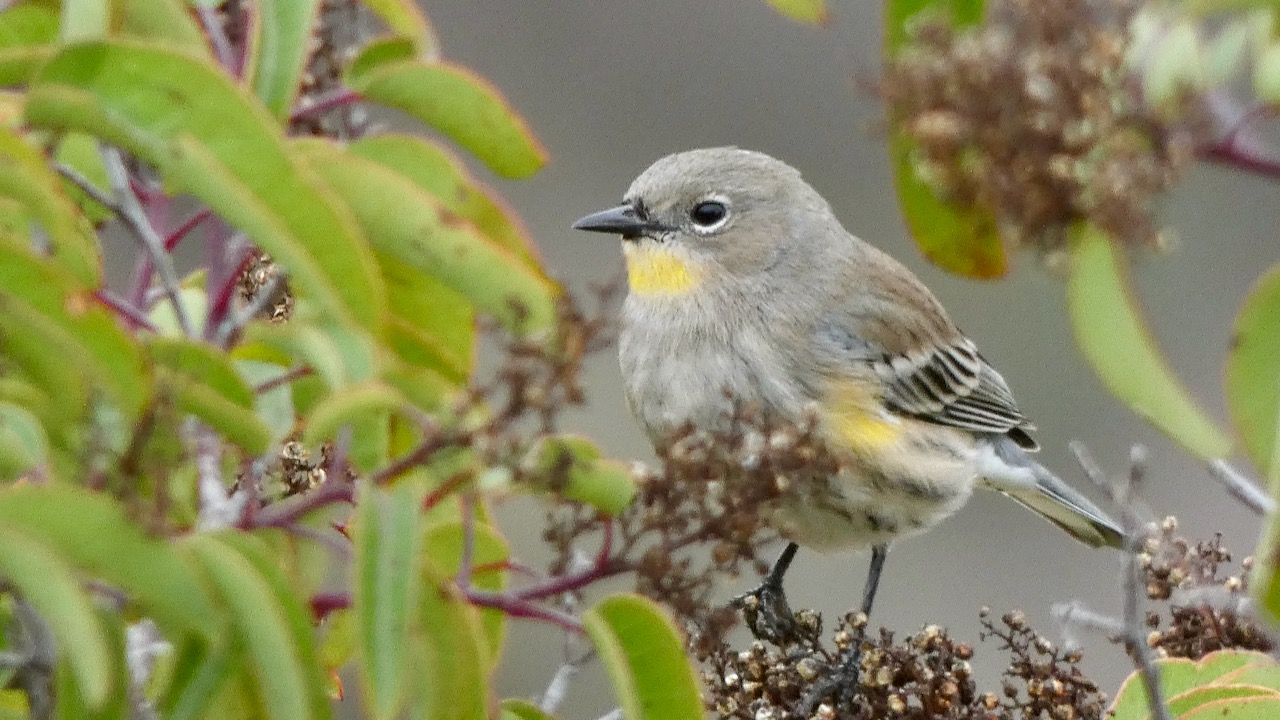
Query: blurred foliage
[181,449]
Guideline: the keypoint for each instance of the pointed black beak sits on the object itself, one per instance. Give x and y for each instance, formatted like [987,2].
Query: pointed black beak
[622,220]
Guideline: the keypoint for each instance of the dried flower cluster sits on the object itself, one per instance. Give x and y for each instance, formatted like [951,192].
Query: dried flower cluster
[927,676]
[1207,605]
[713,490]
[1035,117]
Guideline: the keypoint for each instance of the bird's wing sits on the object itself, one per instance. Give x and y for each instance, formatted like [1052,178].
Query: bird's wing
[929,369]
[951,384]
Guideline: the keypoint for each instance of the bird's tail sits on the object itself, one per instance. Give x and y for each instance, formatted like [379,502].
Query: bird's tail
[1011,470]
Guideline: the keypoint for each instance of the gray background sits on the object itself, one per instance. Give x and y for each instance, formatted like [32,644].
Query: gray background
[611,85]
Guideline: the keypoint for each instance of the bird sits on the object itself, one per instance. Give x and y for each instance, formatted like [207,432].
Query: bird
[743,286]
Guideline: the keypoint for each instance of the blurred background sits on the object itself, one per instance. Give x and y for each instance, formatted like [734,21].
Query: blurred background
[611,85]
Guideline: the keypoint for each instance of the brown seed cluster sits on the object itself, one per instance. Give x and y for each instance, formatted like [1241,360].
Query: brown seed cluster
[926,676]
[1205,608]
[1035,117]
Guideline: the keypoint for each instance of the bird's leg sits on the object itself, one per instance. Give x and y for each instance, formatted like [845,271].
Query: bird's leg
[845,674]
[765,609]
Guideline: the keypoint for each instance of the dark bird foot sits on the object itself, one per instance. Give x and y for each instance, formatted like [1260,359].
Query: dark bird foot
[767,614]
[840,684]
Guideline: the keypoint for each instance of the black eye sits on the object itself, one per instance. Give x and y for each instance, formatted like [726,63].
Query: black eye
[708,213]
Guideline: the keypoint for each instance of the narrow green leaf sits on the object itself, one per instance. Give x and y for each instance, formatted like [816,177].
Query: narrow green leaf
[45,580]
[443,545]
[387,542]
[26,177]
[810,11]
[1253,376]
[93,533]
[284,43]
[275,406]
[407,224]
[1114,338]
[44,313]
[265,613]
[80,153]
[202,363]
[23,443]
[452,656]
[438,172]
[1185,702]
[459,104]
[208,138]
[199,674]
[404,17]
[69,696]
[961,240]
[588,478]
[432,326]
[641,650]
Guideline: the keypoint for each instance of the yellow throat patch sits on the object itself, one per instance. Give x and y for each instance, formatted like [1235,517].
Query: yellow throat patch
[653,269]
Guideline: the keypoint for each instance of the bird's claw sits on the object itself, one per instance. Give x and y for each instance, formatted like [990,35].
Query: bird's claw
[842,682]
[767,614]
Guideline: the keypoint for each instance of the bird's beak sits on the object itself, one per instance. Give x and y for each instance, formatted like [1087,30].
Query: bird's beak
[622,220]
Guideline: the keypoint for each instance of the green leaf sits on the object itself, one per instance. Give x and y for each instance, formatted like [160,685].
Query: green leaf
[1180,675]
[45,580]
[337,357]
[23,443]
[92,532]
[199,675]
[520,709]
[355,404]
[208,138]
[438,172]
[404,17]
[1249,708]
[459,104]
[1253,376]
[270,623]
[163,21]
[604,484]
[80,153]
[1111,333]
[961,240]
[85,19]
[1266,74]
[284,43]
[432,326]
[810,11]
[69,697]
[27,34]
[46,318]
[387,541]
[455,683]
[26,177]
[443,545]
[205,385]
[641,650]
[406,224]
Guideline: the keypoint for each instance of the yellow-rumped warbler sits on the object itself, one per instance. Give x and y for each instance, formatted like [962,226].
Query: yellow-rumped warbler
[742,281]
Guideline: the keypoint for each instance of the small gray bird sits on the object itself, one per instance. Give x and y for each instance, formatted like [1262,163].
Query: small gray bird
[743,281]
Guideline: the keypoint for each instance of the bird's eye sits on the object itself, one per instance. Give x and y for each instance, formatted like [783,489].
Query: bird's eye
[709,214]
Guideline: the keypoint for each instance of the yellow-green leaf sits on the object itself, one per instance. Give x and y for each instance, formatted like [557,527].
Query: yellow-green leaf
[459,104]
[404,17]
[961,240]
[810,11]
[587,477]
[285,38]
[209,138]
[1253,376]
[1111,333]
[643,653]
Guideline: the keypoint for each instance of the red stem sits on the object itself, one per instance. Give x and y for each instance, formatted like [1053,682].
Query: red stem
[324,603]
[1226,153]
[126,310]
[519,608]
[335,99]
[288,511]
[172,239]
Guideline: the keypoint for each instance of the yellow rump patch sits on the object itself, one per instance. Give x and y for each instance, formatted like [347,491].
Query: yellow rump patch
[857,421]
[656,270]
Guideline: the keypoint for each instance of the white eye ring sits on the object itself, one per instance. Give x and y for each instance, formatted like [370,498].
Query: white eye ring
[709,215]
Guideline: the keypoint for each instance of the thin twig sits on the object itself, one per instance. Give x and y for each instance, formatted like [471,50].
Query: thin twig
[466,565]
[335,98]
[217,35]
[518,608]
[1133,588]
[1240,488]
[125,309]
[134,217]
[558,689]
[286,512]
[100,196]
[234,323]
[283,378]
